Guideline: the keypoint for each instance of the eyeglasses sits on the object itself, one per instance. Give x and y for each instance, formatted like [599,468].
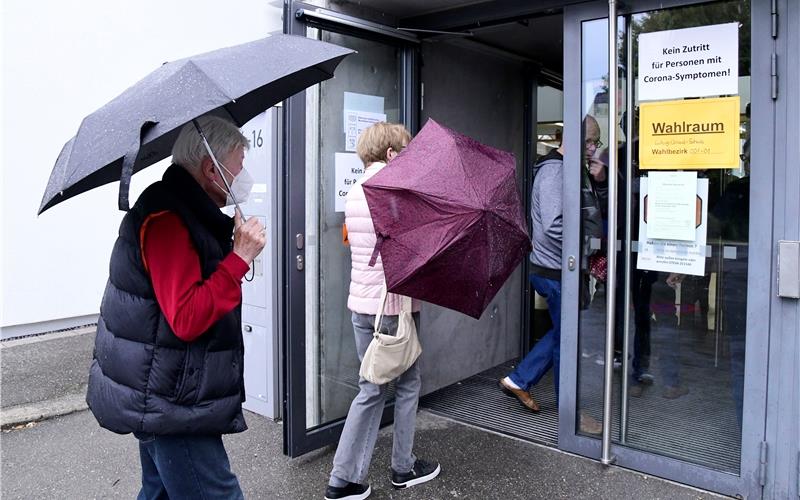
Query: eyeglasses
[594,142]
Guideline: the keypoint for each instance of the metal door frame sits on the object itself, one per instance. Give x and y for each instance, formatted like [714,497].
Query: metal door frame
[297,439]
[759,277]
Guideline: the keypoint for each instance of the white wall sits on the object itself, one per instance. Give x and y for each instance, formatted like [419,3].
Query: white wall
[61,61]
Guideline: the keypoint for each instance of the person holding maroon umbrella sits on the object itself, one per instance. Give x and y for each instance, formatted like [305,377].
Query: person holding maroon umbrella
[377,145]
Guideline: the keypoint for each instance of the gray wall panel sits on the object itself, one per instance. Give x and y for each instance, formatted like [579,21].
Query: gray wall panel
[480,96]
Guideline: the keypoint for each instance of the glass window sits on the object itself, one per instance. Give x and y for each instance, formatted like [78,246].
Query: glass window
[331,361]
[683,393]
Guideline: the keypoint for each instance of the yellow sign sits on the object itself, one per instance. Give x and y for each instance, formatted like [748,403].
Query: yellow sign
[689,134]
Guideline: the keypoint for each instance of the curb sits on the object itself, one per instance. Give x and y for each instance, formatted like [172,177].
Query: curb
[15,416]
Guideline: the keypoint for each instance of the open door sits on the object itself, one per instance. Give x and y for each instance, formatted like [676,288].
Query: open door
[668,348]
[321,124]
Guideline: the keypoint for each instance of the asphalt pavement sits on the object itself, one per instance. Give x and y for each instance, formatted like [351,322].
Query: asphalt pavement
[70,456]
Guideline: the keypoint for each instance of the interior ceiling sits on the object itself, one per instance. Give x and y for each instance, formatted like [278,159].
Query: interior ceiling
[539,39]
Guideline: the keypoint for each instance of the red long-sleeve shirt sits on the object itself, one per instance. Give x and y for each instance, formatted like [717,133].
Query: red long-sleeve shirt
[190,304]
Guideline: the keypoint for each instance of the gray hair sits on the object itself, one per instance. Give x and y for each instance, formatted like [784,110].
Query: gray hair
[223,137]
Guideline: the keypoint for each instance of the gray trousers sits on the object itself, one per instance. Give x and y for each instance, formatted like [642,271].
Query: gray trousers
[354,453]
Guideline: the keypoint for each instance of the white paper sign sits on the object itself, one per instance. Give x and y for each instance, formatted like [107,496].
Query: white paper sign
[672,206]
[691,62]
[357,121]
[348,170]
[363,102]
[673,256]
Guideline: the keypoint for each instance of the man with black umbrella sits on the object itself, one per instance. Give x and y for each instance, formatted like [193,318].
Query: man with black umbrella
[169,359]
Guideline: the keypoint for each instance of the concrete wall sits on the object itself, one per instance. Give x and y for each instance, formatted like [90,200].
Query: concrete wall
[60,62]
[481,96]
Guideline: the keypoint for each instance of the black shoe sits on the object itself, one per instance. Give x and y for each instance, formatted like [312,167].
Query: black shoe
[421,472]
[353,491]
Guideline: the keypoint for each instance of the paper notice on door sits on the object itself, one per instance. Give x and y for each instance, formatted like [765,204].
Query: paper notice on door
[356,122]
[689,62]
[672,206]
[673,255]
[348,170]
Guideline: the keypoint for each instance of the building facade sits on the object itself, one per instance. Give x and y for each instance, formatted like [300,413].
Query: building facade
[697,106]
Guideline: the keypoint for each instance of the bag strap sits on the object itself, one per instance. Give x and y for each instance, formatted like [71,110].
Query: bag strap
[379,316]
[406,305]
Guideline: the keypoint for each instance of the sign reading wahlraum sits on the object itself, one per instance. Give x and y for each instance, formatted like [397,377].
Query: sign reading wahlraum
[691,62]
[689,135]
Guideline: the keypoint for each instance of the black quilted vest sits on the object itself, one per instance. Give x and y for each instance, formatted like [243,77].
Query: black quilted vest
[143,378]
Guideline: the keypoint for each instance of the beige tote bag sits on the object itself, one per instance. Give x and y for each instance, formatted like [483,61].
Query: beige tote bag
[389,356]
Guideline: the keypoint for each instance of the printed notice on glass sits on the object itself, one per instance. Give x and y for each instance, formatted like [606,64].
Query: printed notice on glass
[360,111]
[689,134]
[672,206]
[691,62]
[672,255]
[348,170]
[356,122]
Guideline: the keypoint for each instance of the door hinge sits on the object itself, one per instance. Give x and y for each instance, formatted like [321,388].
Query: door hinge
[774,18]
[422,96]
[762,463]
[774,75]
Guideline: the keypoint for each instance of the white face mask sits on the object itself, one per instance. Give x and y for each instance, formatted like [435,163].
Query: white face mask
[240,187]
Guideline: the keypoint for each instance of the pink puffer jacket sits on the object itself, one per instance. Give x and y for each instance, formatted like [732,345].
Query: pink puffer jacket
[366,283]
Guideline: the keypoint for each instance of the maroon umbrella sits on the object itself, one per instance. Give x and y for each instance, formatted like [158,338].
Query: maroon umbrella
[449,220]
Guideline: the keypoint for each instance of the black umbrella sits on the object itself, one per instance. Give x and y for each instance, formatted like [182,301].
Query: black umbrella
[139,127]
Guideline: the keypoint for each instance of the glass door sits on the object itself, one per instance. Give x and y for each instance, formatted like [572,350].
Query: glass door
[678,304]
[322,124]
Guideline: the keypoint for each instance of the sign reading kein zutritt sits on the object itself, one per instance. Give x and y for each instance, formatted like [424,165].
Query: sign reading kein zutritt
[688,135]
[691,62]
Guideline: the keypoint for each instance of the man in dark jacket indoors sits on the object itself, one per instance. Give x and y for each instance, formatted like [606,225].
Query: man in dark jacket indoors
[169,359]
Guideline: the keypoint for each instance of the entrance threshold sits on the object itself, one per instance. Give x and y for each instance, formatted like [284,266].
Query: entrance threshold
[478,401]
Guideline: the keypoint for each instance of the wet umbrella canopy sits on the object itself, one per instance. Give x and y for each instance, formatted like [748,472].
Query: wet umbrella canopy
[449,221]
[139,127]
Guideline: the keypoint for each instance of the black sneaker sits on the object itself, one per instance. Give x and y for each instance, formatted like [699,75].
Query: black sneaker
[421,472]
[353,491]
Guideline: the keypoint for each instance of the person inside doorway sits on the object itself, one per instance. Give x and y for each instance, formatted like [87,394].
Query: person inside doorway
[546,258]
[641,284]
[377,145]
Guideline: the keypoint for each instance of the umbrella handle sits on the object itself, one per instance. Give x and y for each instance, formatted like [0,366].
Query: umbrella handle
[123,201]
[377,250]
[219,169]
[128,161]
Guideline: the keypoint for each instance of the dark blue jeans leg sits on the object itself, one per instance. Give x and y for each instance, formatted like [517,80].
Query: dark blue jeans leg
[670,354]
[152,487]
[547,352]
[186,467]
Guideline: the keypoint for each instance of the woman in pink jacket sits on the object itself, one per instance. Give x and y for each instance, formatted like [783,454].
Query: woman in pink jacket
[377,145]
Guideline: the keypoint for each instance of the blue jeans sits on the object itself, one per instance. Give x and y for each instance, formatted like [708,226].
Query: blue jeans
[547,352]
[186,466]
